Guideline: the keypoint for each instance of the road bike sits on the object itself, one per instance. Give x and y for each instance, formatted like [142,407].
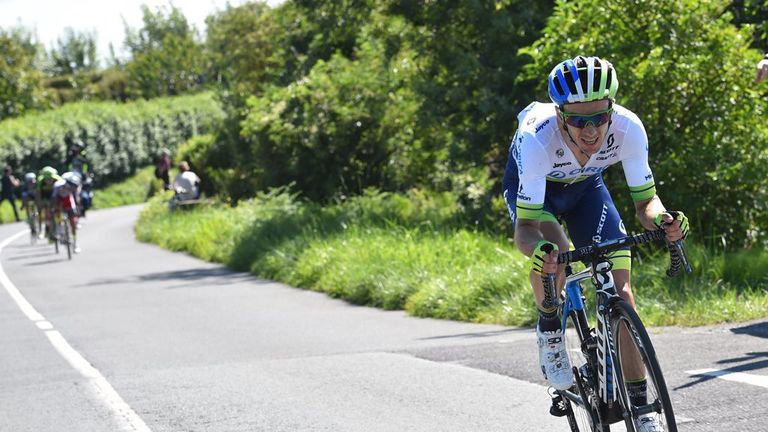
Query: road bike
[33,222]
[62,233]
[604,357]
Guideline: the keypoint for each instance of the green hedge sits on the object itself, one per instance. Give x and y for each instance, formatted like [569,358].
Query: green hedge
[119,137]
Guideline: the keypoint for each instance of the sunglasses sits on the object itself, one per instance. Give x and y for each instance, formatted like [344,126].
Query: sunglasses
[582,120]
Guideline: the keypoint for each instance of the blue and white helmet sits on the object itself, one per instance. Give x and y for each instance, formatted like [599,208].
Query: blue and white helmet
[72,178]
[582,79]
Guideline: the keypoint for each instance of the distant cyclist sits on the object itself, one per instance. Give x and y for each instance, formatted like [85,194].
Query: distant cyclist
[64,191]
[554,175]
[28,196]
[46,180]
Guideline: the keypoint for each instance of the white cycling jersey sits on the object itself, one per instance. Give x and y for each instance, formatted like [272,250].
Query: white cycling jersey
[542,155]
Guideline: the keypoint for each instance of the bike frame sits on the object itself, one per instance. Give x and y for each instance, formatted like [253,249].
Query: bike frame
[596,349]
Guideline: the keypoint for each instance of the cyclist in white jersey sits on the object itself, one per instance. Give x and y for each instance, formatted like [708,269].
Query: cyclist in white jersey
[554,176]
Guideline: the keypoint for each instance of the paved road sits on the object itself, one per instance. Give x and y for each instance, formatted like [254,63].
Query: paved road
[127,336]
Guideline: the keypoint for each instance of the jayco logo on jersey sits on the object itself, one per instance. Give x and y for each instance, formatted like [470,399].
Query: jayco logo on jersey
[541,126]
[560,164]
[587,170]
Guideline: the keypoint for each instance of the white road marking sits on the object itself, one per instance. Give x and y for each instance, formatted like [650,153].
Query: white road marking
[102,390]
[24,305]
[741,377]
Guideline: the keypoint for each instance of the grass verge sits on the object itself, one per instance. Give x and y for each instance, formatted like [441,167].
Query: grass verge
[410,252]
[135,189]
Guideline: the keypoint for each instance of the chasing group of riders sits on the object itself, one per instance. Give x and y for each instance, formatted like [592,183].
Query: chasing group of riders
[50,193]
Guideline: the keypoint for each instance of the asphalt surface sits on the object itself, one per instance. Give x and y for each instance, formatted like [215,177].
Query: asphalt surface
[128,336]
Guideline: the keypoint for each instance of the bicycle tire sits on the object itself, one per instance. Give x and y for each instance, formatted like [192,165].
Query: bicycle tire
[622,313]
[66,240]
[586,417]
[56,236]
[31,221]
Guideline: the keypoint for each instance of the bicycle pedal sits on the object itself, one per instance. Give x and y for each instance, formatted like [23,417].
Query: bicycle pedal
[559,407]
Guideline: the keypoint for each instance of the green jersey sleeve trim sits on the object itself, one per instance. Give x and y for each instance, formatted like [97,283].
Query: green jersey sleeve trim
[527,211]
[644,192]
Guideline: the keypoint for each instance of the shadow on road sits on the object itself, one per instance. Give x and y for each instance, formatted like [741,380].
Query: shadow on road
[218,276]
[32,255]
[50,261]
[490,333]
[758,329]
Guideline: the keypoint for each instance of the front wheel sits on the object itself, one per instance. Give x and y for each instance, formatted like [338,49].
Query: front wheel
[586,414]
[635,358]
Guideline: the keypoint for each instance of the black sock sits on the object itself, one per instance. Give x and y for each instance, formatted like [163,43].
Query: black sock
[638,392]
[549,321]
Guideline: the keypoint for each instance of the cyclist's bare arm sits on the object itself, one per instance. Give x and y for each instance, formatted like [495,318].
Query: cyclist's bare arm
[647,210]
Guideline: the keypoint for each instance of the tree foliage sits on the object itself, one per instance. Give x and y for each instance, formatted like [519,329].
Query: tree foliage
[166,57]
[393,94]
[20,76]
[686,71]
[753,13]
[75,52]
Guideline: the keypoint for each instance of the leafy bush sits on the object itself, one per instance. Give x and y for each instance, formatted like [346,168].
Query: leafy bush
[692,90]
[337,130]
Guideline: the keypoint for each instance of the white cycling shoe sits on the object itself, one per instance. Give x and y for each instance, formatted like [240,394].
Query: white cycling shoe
[554,359]
[648,423]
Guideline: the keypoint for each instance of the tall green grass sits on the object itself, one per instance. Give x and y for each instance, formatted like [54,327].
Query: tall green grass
[6,211]
[411,252]
[133,190]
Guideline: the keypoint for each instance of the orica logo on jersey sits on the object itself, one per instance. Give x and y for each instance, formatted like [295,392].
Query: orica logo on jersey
[557,174]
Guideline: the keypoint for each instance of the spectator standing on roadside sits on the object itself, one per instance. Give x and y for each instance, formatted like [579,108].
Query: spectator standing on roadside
[187,183]
[9,185]
[163,168]
[762,69]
